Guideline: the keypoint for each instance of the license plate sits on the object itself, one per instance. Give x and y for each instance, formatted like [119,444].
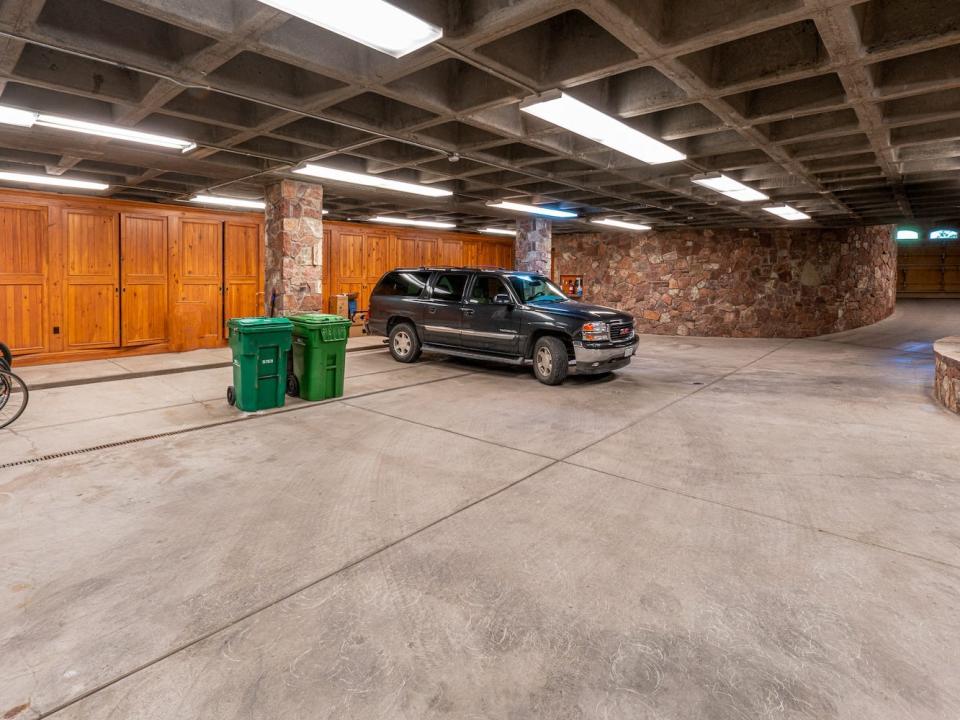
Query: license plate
[628,352]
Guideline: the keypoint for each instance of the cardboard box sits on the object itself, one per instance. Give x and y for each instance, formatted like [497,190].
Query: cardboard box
[340,305]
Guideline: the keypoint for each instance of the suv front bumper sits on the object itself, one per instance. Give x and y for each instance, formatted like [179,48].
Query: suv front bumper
[603,359]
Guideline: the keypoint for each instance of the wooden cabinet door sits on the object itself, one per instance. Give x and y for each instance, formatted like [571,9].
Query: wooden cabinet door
[450,253]
[407,255]
[23,278]
[143,279]
[505,256]
[470,253]
[91,279]
[241,260]
[348,263]
[426,252]
[201,276]
[378,259]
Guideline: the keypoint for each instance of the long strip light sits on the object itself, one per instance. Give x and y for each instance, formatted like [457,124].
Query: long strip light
[54,180]
[228,201]
[786,212]
[621,224]
[352,178]
[374,23]
[499,231]
[408,221]
[532,209]
[726,185]
[29,119]
[560,109]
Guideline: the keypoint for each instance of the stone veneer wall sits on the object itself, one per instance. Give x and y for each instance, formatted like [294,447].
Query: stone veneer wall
[739,283]
[946,386]
[294,254]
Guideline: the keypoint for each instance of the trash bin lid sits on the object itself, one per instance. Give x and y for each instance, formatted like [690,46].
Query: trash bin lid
[260,324]
[318,319]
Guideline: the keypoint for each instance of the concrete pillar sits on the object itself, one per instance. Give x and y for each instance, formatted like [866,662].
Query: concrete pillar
[533,246]
[294,256]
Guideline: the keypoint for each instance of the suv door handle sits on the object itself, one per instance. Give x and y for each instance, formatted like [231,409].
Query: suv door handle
[467,311]
[431,310]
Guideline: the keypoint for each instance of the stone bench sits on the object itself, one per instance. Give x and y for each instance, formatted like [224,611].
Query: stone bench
[947,384]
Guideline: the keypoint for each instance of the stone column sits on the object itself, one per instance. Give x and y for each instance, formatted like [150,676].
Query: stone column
[533,246]
[294,256]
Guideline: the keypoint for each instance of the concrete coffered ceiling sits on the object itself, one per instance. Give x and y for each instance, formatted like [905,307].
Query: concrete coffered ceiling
[849,111]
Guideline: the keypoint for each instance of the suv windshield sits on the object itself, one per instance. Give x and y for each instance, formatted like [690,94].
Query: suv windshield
[536,288]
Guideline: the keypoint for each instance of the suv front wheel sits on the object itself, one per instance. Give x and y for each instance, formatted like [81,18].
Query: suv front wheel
[551,360]
[404,343]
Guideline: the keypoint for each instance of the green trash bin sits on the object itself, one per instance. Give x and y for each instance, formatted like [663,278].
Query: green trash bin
[319,355]
[260,346]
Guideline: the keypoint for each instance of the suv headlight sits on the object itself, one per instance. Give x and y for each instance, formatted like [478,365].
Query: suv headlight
[595,332]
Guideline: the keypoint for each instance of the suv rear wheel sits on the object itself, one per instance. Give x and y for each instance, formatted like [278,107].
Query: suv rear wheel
[404,343]
[550,360]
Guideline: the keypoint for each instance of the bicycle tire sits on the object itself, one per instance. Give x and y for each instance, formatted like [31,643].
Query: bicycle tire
[14,385]
[6,357]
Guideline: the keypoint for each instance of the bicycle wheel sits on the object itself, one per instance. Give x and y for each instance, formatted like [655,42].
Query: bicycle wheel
[14,396]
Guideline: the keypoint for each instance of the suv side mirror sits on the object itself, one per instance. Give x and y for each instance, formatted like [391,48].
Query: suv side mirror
[502,299]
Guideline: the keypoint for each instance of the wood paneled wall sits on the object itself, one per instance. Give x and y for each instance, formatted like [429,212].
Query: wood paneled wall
[82,278]
[356,256]
[90,277]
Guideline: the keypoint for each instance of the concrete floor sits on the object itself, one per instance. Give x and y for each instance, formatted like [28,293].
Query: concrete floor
[727,529]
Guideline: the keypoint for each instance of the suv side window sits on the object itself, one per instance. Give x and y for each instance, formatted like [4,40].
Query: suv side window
[486,288]
[402,284]
[449,287]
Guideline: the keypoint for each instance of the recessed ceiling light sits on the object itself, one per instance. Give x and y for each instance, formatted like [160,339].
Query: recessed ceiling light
[532,209]
[228,201]
[28,118]
[408,221]
[352,178]
[787,212]
[374,23]
[499,231]
[51,180]
[621,224]
[560,109]
[726,185]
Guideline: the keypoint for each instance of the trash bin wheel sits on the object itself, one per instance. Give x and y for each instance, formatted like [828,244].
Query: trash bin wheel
[293,385]
[231,396]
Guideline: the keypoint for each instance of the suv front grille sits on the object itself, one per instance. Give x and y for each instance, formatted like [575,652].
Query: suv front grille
[621,331]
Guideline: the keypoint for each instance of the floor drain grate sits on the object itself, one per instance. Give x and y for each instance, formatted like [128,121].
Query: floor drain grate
[207,426]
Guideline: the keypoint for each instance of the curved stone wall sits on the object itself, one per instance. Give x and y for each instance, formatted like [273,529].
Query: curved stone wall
[947,383]
[738,283]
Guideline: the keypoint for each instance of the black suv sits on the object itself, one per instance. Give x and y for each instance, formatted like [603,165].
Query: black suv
[509,316]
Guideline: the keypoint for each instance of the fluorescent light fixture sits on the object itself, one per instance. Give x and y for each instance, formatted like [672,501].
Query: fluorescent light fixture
[374,23]
[408,221]
[53,180]
[560,109]
[786,212]
[352,178]
[228,201]
[499,231]
[532,209]
[27,118]
[14,116]
[728,186]
[621,224]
